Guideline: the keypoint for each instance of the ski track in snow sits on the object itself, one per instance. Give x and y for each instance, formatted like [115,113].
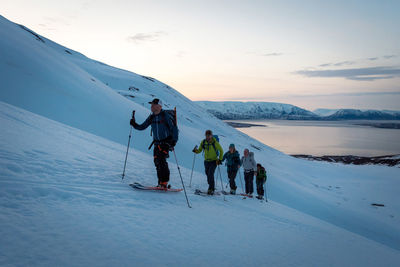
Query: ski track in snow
[63,203]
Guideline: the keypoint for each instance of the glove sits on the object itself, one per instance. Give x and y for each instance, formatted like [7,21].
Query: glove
[171,145]
[132,122]
[195,150]
[219,162]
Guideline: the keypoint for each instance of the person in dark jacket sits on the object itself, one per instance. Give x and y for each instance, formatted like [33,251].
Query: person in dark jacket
[261,178]
[232,158]
[161,126]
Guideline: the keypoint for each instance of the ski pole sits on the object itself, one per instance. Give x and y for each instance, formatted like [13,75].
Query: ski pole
[222,186]
[127,149]
[194,159]
[183,184]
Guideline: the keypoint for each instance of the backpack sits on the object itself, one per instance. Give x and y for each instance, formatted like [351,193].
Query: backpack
[263,172]
[174,132]
[213,144]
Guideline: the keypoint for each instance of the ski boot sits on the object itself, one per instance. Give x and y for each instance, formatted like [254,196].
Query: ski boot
[210,192]
[164,185]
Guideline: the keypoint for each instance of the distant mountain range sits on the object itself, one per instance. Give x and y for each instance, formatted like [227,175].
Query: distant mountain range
[235,110]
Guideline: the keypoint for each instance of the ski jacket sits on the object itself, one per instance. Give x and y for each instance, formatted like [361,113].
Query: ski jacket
[161,125]
[261,175]
[212,150]
[249,163]
[232,160]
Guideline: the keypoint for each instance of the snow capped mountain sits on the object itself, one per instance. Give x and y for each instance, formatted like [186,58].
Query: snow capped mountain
[355,114]
[234,110]
[64,128]
[324,111]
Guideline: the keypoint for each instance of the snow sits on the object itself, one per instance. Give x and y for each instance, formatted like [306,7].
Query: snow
[254,110]
[62,201]
[325,112]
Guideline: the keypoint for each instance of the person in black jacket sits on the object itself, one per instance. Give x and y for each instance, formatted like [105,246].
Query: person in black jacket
[232,158]
[161,126]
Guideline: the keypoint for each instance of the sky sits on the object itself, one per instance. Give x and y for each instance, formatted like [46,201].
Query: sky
[313,54]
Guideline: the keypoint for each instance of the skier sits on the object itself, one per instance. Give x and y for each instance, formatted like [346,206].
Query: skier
[261,178]
[161,127]
[233,164]
[250,168]
[213,154]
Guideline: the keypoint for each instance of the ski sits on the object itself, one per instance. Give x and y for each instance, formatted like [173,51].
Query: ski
[204,193]
[154,188]
[246,195]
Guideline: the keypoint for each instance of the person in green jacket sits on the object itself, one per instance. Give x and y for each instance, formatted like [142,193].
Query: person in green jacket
[213,154]
[261,178]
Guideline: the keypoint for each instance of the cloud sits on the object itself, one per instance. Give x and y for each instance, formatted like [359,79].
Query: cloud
[337,64]
[389,56]
[358,74]
[272,54]
[146,37]
[372,58]
[325,65]
[344,63]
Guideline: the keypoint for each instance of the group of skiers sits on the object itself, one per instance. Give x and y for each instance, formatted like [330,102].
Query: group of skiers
[165,135]
[214,156]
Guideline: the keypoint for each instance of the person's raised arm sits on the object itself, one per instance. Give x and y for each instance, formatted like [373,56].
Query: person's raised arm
[142,126]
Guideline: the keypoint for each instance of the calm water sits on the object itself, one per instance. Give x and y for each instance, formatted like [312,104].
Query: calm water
[326,138]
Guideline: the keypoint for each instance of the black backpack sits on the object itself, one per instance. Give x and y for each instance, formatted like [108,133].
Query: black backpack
[174,132]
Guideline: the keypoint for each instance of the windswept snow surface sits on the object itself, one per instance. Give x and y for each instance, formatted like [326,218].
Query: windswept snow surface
[64,129]
[63,203]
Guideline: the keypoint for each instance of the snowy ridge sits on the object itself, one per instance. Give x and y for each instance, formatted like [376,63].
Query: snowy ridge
[236,110]
[356,114]
[64,131]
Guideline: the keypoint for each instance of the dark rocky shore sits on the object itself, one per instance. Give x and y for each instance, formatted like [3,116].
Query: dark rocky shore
[384,125]
[391,160]
[243,125]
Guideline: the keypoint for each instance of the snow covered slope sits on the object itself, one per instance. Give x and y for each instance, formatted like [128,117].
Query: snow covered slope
[235,110]
[61,166]
[63,204]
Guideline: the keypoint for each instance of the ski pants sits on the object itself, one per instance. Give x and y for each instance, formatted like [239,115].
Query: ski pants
[248,179]
[160,154]
[232,175]
[210,167]
[260,187]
